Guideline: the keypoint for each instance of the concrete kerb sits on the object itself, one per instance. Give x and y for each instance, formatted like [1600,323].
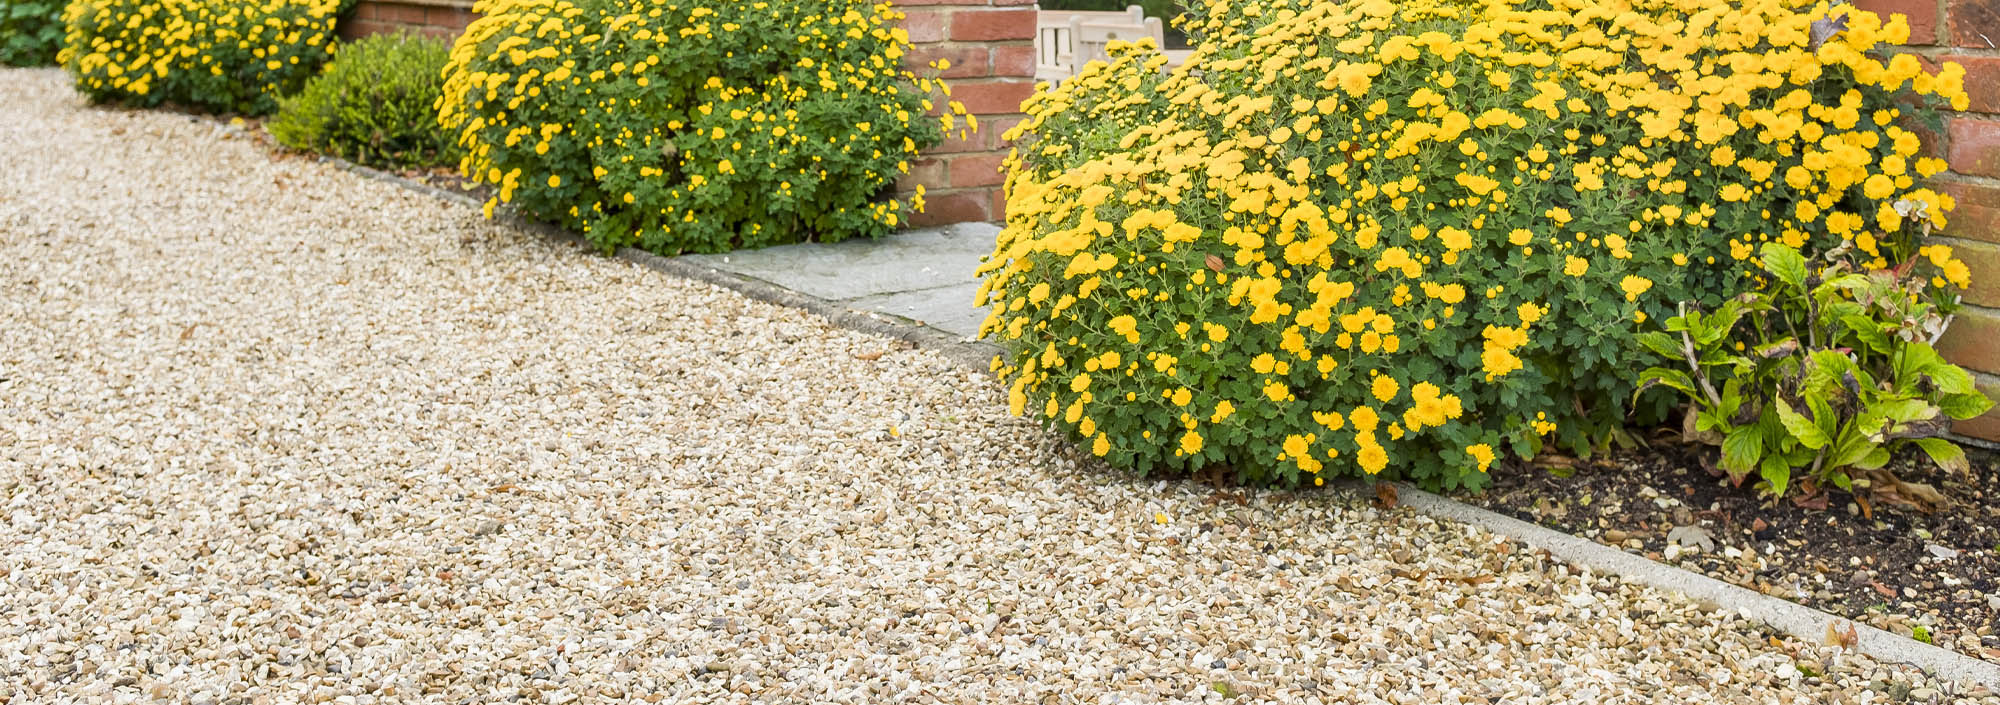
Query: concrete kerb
[1790,618]
[1800,622]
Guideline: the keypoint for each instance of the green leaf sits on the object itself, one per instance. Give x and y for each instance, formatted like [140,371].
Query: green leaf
[1670,378]
[1776,473]
[1964,406]
[1945,453]
[1902,411]
[1874,459]
[1852,449]
[1661,344]
[1803,429]
[1868,332]
[1742,448]
[1784,263]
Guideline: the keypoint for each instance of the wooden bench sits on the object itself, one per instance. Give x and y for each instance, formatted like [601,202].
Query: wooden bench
[1065,41]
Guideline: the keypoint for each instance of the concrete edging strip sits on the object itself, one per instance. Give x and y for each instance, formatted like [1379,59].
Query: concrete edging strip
[1798,621]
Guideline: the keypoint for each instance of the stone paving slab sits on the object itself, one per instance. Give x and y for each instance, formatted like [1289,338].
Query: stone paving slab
[925,275]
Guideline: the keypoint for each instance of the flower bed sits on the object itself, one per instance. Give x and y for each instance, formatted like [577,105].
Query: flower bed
[1410,238]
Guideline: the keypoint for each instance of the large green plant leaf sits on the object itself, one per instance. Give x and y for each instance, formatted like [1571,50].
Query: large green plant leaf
[1804,430]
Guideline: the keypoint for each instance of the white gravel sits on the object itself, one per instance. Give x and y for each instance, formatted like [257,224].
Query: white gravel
[274,433]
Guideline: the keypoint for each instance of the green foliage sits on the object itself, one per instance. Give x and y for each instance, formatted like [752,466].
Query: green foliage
[30,32]
[219,55]
[697,126]
[1826,372]
[376,105]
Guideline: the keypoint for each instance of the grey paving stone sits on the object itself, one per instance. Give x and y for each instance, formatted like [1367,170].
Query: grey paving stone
[946,308]
[904,262]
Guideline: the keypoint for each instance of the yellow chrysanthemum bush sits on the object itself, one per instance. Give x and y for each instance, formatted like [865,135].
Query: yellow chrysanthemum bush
[1407,238]
[220,55]
[698,125]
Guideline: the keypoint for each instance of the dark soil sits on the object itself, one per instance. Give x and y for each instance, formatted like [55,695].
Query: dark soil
[1932,575]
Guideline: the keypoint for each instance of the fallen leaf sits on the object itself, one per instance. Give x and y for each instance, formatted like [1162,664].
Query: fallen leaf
[1692,537]
[869,356]
[1385,495]
[1479,579]
[1214,263]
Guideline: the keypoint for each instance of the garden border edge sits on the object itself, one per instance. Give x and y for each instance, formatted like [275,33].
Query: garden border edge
[1798,621]
[1793,619]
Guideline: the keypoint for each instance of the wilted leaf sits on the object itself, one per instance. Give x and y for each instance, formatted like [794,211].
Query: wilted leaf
[1214,263]
[1691,537]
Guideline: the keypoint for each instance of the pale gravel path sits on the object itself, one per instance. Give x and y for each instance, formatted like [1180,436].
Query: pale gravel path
[271,432]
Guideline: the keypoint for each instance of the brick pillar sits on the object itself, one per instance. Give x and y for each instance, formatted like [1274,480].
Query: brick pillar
[1967,32]
[990,45]
[439,18]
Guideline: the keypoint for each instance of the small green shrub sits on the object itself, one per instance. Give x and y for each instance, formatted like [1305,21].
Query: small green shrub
[1828,370]
[220,55]
[701,126]
[376,105]
[30,32]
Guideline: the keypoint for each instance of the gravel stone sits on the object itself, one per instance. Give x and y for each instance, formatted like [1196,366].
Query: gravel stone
[271,432]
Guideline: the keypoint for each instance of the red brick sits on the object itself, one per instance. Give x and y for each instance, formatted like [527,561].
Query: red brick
[449,17]
[1973,340]
[927,25]
[1982,82]
[905,3]
[1978,214]
[976,170]
[1975,24]
[929,172]
[999,214]
[993,25]
[960,141]
[1975,147]
[399,12]
[953,207]
[1015,60]
[357,29]
[1002,97]
[1984,261]
[1988,426]
[966,61]
[1921,14]
[995,130]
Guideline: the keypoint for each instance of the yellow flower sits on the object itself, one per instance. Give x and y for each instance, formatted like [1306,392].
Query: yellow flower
[1482,454]
[1575,266]
[1384,388]
[1191,443]
[1634,286]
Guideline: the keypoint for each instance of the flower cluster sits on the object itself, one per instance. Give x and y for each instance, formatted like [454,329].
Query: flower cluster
[696,125]
[222,55]
[1410,237]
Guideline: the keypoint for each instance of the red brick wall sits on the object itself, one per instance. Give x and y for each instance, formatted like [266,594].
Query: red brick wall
[444,18]
[1968,32]
[990,47]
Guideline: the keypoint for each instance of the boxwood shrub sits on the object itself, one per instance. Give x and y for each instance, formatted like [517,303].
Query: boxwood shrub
[376,104]
[1409,238]
[700,125]
[30,32]
[219,55]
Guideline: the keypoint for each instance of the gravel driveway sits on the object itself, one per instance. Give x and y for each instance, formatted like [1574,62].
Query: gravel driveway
[274,433]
